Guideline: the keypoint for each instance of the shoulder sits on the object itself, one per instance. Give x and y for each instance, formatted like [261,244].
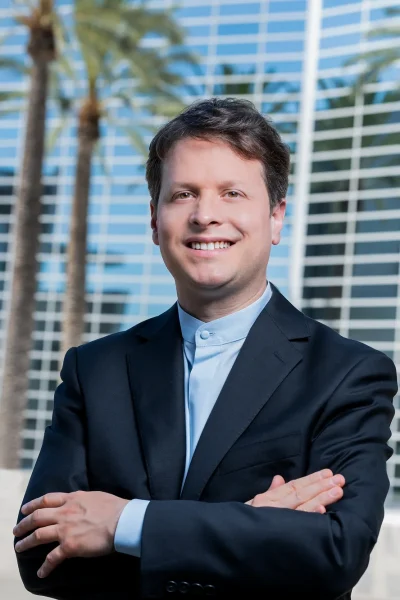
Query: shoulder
[330,345]
[122,341]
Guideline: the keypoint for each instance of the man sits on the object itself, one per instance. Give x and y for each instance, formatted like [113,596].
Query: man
[205,451]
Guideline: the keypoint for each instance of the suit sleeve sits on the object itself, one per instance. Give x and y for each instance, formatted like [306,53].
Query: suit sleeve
[61,467]
[247,551]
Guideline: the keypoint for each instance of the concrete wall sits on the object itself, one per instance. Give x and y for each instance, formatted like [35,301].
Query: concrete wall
[380,582]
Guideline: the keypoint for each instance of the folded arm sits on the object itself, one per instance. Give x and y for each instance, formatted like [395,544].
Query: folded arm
[239,549]
[61,467]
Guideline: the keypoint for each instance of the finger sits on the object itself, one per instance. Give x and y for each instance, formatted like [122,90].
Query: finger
[301,495]
[53,559]
[43,535]
[322,500]
[276,482]
[300,483]
[39,518]
[52,500]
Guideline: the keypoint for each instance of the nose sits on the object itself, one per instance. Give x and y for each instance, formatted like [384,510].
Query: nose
[205,211]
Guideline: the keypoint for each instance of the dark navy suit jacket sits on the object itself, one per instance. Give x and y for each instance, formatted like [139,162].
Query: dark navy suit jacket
[299,398]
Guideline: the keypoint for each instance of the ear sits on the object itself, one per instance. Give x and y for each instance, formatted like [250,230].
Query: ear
[153,223]
[277,217]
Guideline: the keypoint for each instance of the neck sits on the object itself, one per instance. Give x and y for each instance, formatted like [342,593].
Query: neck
[211,308]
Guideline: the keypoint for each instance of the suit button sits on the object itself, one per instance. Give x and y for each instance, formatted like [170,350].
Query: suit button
[210,590]
[184,587]
[197,589]
[171,586]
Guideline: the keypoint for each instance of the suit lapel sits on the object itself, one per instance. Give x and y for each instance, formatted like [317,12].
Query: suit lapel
[265,359]
[156,378]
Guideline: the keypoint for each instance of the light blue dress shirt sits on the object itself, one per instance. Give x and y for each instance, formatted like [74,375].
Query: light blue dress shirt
[209,351]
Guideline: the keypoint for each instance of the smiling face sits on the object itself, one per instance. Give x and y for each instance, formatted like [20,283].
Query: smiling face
[213,222]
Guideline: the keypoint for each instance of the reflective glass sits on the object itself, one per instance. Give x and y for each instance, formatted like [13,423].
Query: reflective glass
[374,291]
[353,18]
[369,269]
[193,11]
[238,28]
[285,26]
[247,8]
[372,312]
[381,247]
[231,49]
[276,47]
[287,6]
[372,335]
[335,3]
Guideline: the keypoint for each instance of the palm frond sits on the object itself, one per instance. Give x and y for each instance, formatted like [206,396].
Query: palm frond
[132,133]
[8,34]
[6,98]
[384,32]
[55,134]
[64,103]
[61,32]
[376,61]
[14,64]
[99,153]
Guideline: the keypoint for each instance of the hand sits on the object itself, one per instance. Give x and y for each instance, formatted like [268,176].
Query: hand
[83,523]
[310,494]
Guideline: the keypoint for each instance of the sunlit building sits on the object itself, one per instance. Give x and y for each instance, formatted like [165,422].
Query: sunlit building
[340,254]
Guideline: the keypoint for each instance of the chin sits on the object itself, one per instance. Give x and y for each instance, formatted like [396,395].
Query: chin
[209,284]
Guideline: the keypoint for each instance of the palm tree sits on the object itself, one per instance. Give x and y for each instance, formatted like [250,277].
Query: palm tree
[41,49]
[377,60]
[110,35]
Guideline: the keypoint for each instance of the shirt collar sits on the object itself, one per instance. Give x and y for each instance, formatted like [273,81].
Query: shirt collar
[227,329]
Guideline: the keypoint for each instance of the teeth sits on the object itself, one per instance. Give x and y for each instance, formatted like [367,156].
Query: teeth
[210,245]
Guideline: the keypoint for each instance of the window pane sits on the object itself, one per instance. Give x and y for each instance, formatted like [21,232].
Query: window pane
[335,144]
[250,8]
[326,313]
[373,312]
[325,249]
[332,124]
[372,335]
[374,291]
[376,269]
[323,271]
[378,226]
[326,228]
[322,187]
[384,247]
[319,208]
[378,204]
[323,292]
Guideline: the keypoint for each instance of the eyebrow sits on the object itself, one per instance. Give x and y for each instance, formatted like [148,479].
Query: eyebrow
[224,184]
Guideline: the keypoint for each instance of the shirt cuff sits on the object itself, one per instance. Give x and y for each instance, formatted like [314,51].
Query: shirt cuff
[128,534]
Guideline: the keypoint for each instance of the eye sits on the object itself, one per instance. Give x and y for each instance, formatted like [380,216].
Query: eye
[182,196]
[233,194]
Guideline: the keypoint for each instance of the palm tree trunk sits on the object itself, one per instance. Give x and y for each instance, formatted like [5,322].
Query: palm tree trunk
[26,240]
[74,307]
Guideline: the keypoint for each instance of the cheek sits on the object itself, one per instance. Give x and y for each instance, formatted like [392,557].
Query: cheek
[257,227]
[166,226]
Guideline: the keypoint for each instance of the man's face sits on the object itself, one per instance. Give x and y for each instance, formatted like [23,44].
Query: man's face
[213,221]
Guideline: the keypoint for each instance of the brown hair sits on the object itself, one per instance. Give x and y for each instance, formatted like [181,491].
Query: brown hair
[236,122]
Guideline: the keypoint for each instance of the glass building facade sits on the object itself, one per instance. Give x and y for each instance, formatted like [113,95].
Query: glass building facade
[339,258]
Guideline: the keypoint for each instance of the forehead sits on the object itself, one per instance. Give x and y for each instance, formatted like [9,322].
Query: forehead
[208,159]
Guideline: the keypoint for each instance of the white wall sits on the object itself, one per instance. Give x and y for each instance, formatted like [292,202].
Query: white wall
[380,582]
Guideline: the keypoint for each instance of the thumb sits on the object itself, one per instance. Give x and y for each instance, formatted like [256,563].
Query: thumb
[276,482]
